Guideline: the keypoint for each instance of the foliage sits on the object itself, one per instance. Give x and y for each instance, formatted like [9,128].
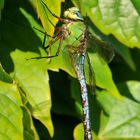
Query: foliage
[25,84]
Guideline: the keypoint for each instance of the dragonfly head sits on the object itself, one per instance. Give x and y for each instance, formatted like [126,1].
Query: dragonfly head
[73,13]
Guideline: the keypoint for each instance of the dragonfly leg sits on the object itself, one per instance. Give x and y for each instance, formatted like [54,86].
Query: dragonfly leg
[44,40]
[47,35]
[56,36]
[43,32]
[58,49]
[60,45]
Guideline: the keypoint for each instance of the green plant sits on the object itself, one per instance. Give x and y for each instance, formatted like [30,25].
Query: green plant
[24,87]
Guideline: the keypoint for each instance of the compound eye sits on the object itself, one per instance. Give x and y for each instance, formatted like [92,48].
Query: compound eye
[73,13]
[78,15]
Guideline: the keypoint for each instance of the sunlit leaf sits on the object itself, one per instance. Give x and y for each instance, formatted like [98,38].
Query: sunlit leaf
[120,18]
[29,129]
[17,44]
[11,114]
[123,119]
[103,76]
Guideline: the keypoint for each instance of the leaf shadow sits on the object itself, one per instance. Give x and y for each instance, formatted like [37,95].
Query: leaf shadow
[16,33]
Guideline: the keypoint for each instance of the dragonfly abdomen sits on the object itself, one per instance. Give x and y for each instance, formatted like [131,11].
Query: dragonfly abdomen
[79,69]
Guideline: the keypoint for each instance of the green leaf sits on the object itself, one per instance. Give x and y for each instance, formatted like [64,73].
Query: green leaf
[29,129]
[120,18]
[124,52]
[130,89]
[106,100]
[28,134]
[123,120]
[112,44]
[31,75]
[103,76]
[35,83]
[11,114]
[19,41]
[4,76]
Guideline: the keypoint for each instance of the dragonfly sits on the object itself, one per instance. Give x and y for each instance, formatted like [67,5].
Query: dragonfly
[76,35]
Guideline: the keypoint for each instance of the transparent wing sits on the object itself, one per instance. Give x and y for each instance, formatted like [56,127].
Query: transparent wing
[102,48]
[82,63]
[76,59]
[90,74]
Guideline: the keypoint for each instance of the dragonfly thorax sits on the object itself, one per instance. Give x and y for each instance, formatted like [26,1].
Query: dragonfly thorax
[74,33]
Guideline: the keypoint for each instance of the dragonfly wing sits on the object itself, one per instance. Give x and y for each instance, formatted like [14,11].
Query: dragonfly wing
[104,50]
[90,74]
[76,59]
[83,65]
